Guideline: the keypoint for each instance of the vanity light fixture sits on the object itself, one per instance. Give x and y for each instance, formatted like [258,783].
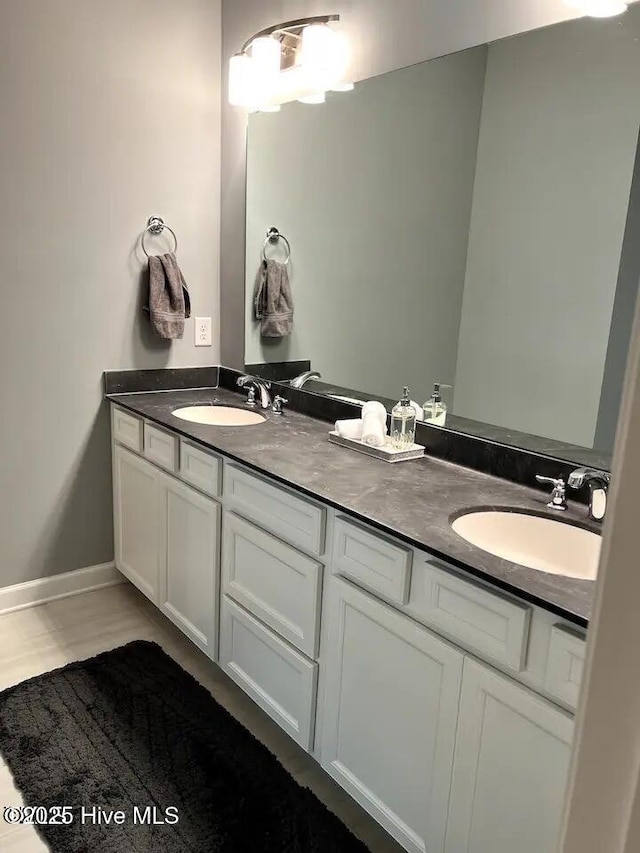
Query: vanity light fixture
[599,8]
[297,60]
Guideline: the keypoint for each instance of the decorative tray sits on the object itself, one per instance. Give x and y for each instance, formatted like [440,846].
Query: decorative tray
[386,452]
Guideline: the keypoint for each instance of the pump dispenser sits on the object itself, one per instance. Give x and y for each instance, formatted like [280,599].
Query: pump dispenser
[403,422]
[435,411]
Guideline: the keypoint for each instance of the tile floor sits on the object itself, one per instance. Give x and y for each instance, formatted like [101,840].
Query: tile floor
[42,638]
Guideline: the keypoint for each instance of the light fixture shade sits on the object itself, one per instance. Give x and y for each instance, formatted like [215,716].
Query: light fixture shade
[241,77]
[599,8]
[265,52]
[324,56]
[316,98]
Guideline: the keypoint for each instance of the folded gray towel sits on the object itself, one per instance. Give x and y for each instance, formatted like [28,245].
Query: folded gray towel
[169,301]
[273,303]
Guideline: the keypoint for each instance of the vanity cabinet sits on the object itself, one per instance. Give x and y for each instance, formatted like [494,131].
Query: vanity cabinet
[135,516]
[416,687]
[511,766]
[390,710]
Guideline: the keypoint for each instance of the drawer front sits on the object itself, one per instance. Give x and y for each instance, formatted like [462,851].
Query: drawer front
[565,665]
[299,521]
[127,429]
[370,560]
[483,621]
[161,448]
[279,679]
[200,469]
[276,583]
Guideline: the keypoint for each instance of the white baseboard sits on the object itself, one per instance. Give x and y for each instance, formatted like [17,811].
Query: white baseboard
[28,594]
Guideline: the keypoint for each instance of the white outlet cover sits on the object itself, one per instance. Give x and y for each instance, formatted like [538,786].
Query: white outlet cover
[202,331]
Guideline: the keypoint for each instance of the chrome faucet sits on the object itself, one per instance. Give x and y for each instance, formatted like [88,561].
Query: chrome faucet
[260,385]
[598,482]
[558,497]
[300,380]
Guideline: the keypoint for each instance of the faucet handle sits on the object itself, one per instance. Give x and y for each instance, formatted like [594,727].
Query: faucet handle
[251,396]
[278,403]
[559,494]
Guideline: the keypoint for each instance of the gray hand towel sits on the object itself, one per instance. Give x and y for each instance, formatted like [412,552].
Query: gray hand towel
[273,303]
[169,301]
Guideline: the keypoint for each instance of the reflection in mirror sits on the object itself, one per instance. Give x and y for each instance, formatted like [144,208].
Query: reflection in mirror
[466,221]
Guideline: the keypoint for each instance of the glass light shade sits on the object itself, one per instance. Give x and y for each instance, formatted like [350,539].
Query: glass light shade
[599,8]
[316,98]
[324,56]
[241,80]
[343,87]
[265,54]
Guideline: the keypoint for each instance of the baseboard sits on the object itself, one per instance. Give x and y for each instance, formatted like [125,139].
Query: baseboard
[28,594]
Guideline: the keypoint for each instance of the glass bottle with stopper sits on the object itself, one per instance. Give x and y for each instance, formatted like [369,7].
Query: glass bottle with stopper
[403,422]
[435,410]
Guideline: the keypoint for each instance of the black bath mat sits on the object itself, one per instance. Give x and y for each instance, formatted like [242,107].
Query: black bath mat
[129,730]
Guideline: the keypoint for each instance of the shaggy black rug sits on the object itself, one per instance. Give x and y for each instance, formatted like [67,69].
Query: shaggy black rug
[130,730]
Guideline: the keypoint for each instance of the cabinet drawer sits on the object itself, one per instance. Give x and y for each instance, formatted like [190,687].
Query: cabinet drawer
[483,621]
[279,679]
[373,562]
[161,448]
[127,429]
[295,519]
[564,665]
[200,469]
[276,583]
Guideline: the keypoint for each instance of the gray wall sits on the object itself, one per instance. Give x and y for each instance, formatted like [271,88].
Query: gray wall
[545,244]
[110,113]
[385,34]
[381,266]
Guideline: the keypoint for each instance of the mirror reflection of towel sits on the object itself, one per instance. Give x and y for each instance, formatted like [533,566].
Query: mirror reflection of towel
[169,301]
[272,301]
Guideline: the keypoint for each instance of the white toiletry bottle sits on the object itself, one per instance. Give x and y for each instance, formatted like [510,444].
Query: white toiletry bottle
[403,422]
[435,411]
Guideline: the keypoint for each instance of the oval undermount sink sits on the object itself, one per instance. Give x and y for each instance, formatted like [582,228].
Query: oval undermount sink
[538,543]
[218,416]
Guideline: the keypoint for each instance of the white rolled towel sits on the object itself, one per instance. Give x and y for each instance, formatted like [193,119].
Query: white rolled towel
[373,429]
[373,407]
[351,428]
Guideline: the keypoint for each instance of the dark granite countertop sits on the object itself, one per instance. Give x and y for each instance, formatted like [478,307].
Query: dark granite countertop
[414,501]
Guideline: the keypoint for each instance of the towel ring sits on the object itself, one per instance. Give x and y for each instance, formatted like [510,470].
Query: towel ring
[273,236]
[156,225]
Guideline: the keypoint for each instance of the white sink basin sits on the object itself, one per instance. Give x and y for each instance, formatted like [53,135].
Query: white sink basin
[218,416]
[537,543]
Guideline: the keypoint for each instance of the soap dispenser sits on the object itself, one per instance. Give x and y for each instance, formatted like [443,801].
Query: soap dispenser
[403,422]
[435,411]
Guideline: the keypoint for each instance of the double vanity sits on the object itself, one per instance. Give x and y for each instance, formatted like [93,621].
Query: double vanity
[434,681]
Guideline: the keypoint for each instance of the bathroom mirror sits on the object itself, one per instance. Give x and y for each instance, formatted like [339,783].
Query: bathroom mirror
[472,220]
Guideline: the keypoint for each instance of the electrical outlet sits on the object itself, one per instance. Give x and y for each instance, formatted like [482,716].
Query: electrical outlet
[202,331]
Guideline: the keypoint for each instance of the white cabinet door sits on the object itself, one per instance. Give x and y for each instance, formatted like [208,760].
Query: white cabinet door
[390,710]
[135,493]
[189,562]
[511,765]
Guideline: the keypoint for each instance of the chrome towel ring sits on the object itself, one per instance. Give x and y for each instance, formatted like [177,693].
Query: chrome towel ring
[273,237]
[156,225]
